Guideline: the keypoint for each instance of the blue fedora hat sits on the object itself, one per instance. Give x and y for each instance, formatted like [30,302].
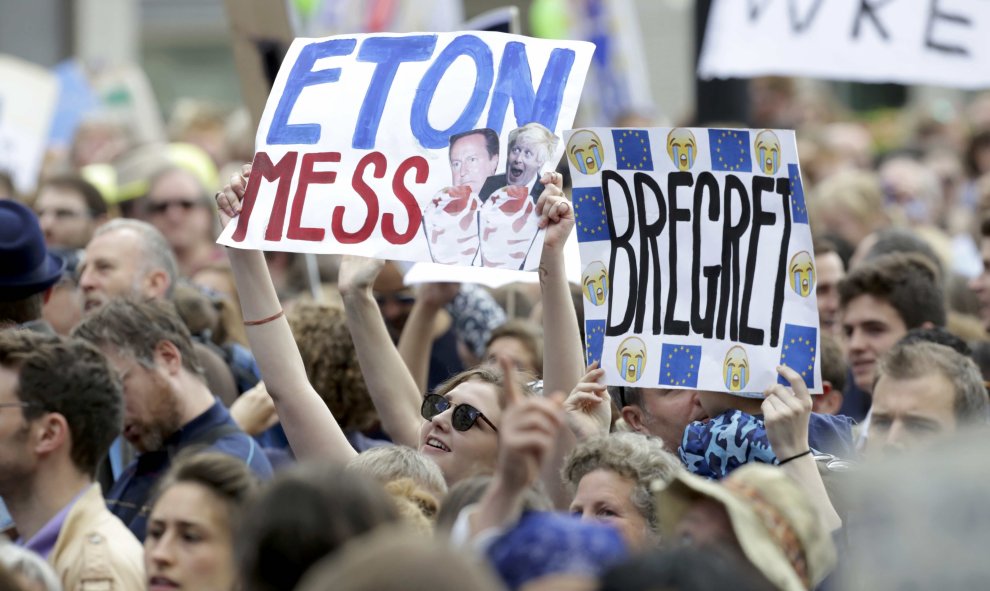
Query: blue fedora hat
[26,267]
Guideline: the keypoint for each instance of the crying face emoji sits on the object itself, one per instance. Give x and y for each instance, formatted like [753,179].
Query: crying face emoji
[802,272]
[630,359]
[768,150]
[585,152]
[595,282]
[735,370]
[682,148]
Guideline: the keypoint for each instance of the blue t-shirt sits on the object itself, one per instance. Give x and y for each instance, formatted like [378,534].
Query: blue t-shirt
[214,430]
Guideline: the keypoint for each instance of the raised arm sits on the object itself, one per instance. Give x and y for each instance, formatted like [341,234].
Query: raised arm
[563,360]
[420,330]
[392,388]
[786,413]
[309,425]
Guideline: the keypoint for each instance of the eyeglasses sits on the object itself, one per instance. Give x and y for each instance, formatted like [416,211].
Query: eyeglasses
[160,207]
[401,299]
[463,418]
[16,405]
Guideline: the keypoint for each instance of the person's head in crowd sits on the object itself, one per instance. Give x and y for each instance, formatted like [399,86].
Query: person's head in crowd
[923,390]
[530,146]
[468,491]
[550,551]
[981,283]
[829,270]
[126,258]
[519,341]
[850,204]
[684,569]
[189,544]
[919,520]
[473,158]
[202,124]
[196,310]
[416,507]
[28,569]
[149,345]
[395,299]
[217,281]
[977,155]
[7,190]
[99,139]
[881,300]
[611,477]
[911,188]
[410,564]
[461,417]
[772,102]
[392,462]
[64,307]
[309,511]
[758,513]
[331,363]
[660,412]
[939,336]
[834,371]
[27,270]
[898,239]
[69,210]
[180,207]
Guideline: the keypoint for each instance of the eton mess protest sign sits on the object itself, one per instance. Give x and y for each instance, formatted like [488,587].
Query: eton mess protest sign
[698,269]
[422,147]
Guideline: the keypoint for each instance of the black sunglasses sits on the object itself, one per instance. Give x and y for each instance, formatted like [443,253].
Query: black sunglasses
[160,207]
[464,416]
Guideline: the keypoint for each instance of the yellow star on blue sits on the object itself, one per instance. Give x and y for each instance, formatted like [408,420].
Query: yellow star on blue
[589,214]
[799,210]
[730,150]
[679,365]
[632,149]
[594,340]
[799,354]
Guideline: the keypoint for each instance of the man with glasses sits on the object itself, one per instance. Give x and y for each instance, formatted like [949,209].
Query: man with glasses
[169,407]
[60,407]
[181,209]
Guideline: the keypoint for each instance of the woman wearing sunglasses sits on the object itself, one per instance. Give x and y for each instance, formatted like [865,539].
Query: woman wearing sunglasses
[457,427]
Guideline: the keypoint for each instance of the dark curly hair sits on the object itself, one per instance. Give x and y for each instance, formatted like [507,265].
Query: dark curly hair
[331,363]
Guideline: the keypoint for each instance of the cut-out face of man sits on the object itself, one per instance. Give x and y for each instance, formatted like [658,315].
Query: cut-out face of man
[526,157]
[470,161]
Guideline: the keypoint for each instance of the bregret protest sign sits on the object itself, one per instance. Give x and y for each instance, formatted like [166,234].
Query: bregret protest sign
[698,269]
[422,147]
[938,42]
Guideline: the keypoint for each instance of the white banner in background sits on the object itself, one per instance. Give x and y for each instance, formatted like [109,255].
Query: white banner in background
[936,42]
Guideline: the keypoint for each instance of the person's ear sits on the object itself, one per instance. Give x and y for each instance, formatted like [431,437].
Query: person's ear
[633,416]
[168,357]
[156,283]
[52,432]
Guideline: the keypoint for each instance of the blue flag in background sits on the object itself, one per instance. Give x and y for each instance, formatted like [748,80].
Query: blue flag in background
[798,352]
[730,150]
[594,340]
[632,149]
[679,365]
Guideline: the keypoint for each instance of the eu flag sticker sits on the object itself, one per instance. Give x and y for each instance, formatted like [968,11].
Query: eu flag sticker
[679,365]
[594,340]
[730,150]
[798,352]
[632,149]
[589,213]
[799,211]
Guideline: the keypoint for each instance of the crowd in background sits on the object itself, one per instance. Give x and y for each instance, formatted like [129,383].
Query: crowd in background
[174,414]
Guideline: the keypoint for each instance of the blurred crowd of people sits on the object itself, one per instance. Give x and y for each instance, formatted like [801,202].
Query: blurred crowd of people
[174,414]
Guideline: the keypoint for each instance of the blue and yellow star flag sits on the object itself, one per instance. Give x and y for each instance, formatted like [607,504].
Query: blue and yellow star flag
[632,149]
[594,340]
[799,211]
[589,213]
[679,365]
[798,352]
[730,150]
